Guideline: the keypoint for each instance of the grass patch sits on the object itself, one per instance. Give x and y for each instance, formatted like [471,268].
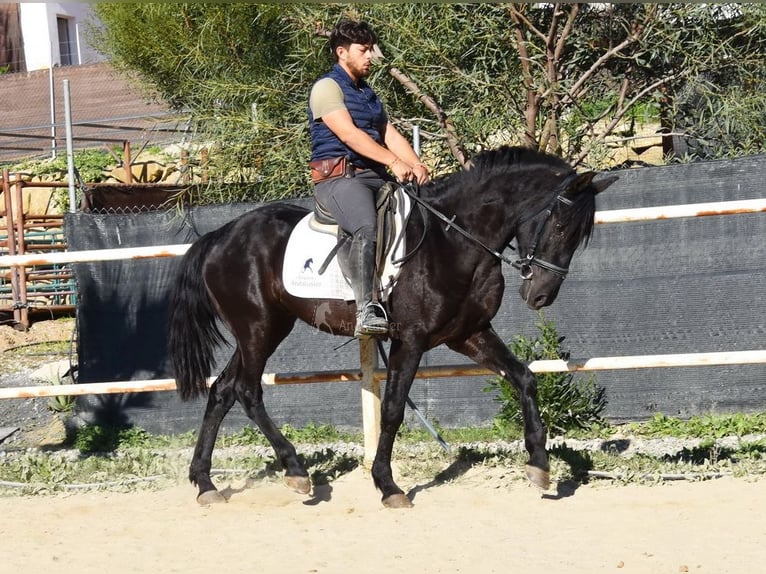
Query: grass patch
[704,426]
[125,459]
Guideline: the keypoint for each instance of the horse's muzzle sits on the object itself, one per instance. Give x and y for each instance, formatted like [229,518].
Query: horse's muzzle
[537,298]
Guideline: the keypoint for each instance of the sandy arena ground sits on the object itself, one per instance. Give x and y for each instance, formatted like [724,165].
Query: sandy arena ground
[482,522]
[477,524]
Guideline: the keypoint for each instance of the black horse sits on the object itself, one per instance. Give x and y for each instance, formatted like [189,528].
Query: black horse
[448,291]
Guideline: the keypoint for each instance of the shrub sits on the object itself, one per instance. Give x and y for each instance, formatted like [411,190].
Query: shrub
[567,402]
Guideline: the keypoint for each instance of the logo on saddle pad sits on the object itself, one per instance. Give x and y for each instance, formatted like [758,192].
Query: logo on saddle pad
[309,246]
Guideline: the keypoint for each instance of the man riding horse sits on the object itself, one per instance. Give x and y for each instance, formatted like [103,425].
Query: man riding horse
[354,146]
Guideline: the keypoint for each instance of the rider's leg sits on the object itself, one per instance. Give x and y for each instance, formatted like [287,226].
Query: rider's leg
[370,318]
[351,201]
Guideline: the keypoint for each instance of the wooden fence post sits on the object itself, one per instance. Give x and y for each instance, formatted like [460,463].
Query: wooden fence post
[368,358]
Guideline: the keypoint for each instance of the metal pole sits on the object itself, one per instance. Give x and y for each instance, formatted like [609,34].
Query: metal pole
[52,91]
[416,138]
[77,41]
[69,147]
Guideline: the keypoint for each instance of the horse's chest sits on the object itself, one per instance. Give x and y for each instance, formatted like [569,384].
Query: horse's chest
[476,300]
[487,291]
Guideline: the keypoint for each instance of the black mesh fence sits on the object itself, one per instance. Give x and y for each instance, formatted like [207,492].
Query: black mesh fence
[668,286]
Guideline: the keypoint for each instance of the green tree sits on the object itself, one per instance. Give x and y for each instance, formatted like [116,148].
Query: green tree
[559,77]
[586,67]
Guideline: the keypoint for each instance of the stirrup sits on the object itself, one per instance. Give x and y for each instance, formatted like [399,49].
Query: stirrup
[371,321]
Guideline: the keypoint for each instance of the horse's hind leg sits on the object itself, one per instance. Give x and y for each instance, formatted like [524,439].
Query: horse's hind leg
[488,350]
[220,400]
[249,392]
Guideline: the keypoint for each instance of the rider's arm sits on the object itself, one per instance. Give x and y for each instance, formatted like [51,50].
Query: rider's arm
[341,124]
[398,144]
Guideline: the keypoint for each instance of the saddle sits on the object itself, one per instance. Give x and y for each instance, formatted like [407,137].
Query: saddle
[315,254]
[386,203]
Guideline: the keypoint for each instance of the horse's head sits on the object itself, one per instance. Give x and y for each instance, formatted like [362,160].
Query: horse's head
[548,238]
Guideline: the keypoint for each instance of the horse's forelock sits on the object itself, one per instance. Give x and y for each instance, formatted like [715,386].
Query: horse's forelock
[583,215]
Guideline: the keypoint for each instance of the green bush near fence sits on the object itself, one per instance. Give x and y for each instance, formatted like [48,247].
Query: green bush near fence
[567,402]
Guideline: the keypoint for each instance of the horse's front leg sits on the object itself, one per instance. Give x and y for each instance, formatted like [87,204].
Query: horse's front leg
[402,365]
[489,351]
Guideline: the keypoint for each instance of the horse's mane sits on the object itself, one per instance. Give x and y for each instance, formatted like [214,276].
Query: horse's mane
[505,160]
[510,160]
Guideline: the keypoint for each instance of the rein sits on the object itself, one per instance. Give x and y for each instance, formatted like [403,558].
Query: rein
[408,189]
[524,265]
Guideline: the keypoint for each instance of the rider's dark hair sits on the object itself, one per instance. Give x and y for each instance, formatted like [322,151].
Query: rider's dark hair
[349,32]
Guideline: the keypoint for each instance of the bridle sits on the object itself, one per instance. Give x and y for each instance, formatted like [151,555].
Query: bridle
[525,264]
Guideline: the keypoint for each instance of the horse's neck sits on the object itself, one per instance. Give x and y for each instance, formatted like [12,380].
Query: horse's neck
[485,211]
[483,221]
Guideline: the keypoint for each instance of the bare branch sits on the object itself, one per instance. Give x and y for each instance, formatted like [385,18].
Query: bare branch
[530,110]
[452,138]
[585,77]
[568,26]
[519,17]
[620,113]
[552,29]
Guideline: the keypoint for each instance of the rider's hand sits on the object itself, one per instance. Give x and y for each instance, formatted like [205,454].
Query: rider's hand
[401,171]
[421,174]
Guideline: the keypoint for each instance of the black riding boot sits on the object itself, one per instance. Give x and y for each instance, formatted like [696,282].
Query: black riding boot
[370,317]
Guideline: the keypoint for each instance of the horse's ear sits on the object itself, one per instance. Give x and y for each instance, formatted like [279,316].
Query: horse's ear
[585,180]
[603,183]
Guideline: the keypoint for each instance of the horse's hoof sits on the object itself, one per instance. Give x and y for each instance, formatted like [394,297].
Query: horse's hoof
[210,497]
[299,484]
[397,501]
[540,478]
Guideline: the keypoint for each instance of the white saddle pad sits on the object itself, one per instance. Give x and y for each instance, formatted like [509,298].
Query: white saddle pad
[308,249]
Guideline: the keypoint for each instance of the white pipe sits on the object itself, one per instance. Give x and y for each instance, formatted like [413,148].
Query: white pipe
[686,210]
[612,216]
[548,366]
[651,361]
[69,146]
[94,255]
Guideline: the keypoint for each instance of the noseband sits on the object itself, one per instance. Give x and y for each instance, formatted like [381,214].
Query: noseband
[526,264]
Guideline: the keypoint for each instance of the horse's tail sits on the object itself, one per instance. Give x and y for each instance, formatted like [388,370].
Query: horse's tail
[193,333]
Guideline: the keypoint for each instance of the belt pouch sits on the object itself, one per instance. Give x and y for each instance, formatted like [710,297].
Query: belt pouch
[323,169]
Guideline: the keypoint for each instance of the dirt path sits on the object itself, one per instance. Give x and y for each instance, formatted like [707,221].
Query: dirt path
[478,524]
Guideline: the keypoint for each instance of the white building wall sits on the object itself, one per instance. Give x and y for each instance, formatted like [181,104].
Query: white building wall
[39,28]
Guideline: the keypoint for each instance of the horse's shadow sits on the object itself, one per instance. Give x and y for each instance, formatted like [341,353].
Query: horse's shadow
[466,459]
[325,466]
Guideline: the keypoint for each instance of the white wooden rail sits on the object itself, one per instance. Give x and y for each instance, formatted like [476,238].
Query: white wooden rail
[612,216]
[443,371]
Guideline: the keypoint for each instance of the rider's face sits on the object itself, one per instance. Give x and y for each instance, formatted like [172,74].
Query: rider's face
[356,60]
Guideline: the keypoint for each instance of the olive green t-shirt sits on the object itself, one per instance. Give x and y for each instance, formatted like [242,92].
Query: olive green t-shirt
[326,97]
